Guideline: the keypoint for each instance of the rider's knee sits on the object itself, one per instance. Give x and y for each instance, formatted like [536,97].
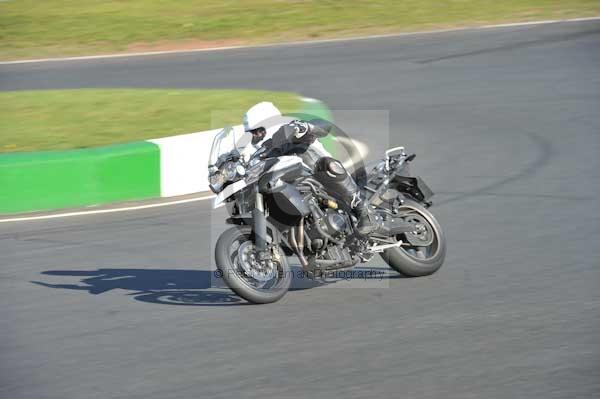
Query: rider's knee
[330,168]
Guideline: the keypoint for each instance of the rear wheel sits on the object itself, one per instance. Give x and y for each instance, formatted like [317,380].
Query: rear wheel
[254,280]
[423,250]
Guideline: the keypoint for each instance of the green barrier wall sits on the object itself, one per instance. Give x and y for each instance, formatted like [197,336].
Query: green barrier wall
[61,179]
[41,181]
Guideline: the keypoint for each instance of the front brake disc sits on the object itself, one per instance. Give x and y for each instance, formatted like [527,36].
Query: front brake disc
[260,271]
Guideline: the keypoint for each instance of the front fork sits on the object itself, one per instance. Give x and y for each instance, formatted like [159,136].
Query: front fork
[267,249]
[260,224]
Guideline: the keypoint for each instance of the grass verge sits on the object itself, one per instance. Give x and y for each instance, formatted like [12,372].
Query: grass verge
[34,29]
[67,119]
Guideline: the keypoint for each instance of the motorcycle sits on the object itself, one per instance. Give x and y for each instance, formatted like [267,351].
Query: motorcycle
[279,209]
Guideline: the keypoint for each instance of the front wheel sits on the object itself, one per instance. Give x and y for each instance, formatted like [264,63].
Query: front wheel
[254,280]
[423,250]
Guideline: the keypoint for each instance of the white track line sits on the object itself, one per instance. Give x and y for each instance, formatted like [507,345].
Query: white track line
[294,43]
[548,21]
[100,211]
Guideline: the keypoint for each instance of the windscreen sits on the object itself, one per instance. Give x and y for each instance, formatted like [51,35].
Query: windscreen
[225,141]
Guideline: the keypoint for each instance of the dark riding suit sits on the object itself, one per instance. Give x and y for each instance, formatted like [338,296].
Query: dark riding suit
[298,137]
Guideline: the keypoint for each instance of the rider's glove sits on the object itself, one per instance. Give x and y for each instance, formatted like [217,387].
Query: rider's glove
[300,128]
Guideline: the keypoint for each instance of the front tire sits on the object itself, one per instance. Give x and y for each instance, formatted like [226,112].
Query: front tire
[243,274]
[413,260]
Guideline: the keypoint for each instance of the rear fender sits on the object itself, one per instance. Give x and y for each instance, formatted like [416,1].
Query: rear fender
[413,187]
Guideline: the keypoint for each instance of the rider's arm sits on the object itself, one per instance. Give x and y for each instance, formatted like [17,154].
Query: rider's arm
[297,136]
[311,130]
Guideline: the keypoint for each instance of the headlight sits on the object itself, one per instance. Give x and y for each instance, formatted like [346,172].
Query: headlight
[217,180]
[227,173]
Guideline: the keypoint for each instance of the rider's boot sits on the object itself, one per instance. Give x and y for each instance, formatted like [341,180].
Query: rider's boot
[366,220]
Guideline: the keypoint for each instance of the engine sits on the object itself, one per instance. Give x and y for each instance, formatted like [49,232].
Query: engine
[329,226]
[335,223]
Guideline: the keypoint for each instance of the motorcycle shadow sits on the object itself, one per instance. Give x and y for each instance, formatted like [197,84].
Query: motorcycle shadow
[176,286]
[162,286]
[361,273]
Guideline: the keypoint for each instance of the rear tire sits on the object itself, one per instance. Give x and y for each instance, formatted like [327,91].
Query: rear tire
[405,259]
[241,283]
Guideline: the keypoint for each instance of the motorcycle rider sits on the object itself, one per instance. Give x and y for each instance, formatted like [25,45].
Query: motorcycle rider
[268,128]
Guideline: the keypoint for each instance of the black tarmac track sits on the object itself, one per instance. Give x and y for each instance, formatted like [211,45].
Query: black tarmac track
[506,125]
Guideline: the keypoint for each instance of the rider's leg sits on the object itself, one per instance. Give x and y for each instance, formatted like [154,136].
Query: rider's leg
[331,173]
